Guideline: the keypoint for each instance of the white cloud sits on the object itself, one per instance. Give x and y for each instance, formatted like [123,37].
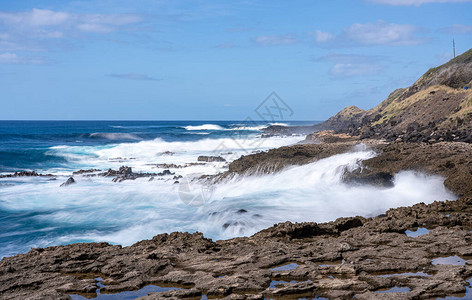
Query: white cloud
[346,65]
[457,29]
[39,29]
[349,58]
[275,40]
[8,58]
[105,23]
[371,34]
[21,29]
[91,27]
[414,2]
[382,33]
[322,37]
[13,58]
[355,69]
[35,18]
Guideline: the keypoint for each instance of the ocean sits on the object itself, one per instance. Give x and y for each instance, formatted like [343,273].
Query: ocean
[38,212]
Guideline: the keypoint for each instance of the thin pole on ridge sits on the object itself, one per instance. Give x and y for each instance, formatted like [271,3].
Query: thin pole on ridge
[454,47]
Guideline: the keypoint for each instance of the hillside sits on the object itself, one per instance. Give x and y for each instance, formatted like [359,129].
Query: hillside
[435,108]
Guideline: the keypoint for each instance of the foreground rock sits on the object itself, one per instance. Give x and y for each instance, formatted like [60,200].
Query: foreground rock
[349,257]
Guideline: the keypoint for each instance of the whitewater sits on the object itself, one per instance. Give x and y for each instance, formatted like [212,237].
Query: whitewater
[37,212]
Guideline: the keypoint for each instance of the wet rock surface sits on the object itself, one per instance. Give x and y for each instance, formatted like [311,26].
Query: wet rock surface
[68,182]
[452,160]
[87,171]
[341,259]
[275,160]
[211,159]
[126,173]
[278,130]
[25,174]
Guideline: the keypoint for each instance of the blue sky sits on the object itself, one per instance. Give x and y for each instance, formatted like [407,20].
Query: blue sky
[216,60]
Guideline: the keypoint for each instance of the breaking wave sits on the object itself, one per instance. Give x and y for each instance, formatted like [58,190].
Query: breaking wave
[96,209]
[204,127]
[241,127]
[114,136]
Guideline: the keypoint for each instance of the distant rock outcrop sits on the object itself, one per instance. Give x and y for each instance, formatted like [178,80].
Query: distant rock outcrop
[211,159]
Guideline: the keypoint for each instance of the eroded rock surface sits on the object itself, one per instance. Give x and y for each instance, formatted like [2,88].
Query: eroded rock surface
[340,259]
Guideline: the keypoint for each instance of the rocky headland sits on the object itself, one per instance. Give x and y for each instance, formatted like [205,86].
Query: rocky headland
[418,252]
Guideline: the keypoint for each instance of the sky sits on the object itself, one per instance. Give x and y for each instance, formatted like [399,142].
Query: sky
[216,60]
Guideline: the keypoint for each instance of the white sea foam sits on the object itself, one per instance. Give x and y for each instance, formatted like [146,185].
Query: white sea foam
[204,127]
[126,212]
[141,154]
[218,127]
[251,128]
[278,124]
[114,136]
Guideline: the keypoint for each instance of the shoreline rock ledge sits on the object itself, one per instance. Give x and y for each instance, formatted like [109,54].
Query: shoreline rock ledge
[350,257]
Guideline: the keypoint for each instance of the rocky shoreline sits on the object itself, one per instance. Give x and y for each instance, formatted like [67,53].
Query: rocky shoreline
[418,252]
[350,257]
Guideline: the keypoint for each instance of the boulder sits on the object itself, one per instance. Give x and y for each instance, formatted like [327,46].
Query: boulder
[68,182]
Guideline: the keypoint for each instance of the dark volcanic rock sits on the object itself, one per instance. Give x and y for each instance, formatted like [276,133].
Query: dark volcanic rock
[291,231]
[449,159]
[382,179]
[126,173]
[165,172]
[290,130]
[211,159]
[68,182]
[168,166]
[26,174]
[123,170]
[80,172]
